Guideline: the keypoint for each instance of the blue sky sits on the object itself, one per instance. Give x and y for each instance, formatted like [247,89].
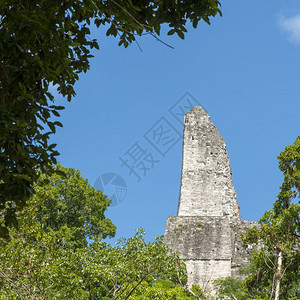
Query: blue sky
[244,70]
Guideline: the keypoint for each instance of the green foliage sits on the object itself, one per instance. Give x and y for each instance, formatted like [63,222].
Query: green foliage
[41,259]
[47,44]
[289,164]
[49,257]
[258,298]
[230,287]
[43,43]
[197,291]
[120,270]
[161,290]
[69,208]
[37,268]
[275,264]
[43,268]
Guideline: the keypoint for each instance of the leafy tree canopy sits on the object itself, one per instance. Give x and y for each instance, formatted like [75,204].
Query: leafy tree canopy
[46,43]
[132,270]
[49,257]
[278,259]
[67,206]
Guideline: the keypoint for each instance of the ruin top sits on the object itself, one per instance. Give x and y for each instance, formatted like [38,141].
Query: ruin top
[206,179]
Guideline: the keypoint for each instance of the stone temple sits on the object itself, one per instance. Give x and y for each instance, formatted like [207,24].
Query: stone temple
[206,231]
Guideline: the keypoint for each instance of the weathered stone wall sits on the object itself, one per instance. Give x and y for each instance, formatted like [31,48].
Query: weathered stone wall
[206,244]
[207,229]
[240,254]
[206,182]
[200,237]
[204,272]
